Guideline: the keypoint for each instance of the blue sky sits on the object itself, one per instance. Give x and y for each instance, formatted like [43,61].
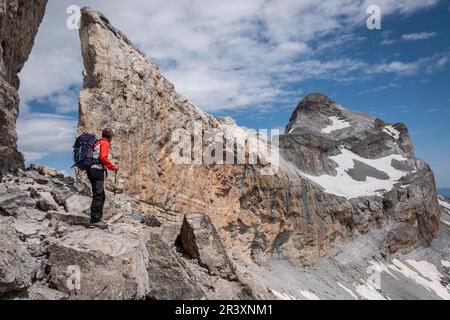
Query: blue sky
[254,61]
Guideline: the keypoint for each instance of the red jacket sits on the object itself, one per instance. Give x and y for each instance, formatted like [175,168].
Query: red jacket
[101,152]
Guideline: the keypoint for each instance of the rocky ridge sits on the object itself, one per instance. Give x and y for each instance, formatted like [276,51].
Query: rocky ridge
[46,241]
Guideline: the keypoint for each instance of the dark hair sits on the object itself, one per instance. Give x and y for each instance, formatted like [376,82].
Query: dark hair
[108,133]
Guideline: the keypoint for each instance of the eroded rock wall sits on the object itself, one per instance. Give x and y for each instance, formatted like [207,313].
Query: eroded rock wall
[19,23]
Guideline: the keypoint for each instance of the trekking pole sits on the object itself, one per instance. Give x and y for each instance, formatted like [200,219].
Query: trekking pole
[115,182]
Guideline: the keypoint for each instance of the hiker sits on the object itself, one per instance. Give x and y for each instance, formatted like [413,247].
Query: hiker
[96,174]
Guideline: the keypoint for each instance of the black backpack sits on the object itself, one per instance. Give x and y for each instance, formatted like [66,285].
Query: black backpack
[83,151]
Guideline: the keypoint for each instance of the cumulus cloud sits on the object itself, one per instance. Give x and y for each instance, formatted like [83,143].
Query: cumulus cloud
[44,134]
[380,88]
[419,36]
[63,102]
[399,67]
[220,54]
[428,65]
[223,55]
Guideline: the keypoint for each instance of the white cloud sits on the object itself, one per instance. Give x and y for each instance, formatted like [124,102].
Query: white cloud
[380,88]
[398,67]
[43,134]
[63,102]
[428,65]
[220,54]
[387,38]
[419,36]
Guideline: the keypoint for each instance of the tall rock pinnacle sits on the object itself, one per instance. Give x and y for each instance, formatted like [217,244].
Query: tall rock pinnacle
[19,22]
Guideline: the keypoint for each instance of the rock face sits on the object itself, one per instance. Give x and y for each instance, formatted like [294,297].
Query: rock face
[289,210]
[19,22]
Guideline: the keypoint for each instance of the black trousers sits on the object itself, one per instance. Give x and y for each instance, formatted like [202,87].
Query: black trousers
[97,179]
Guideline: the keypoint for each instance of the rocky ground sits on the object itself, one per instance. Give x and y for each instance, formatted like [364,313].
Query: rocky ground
[45,242]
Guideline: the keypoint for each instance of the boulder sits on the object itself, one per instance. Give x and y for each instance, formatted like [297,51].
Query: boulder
[168,276]
[151,221]
[29,228]
[46,171]
[46,202]
[60,199]
[41,292]
[10,203]
[78,203]
[17,266]
[108,266]
[31,214]
[199,238]
[71,218]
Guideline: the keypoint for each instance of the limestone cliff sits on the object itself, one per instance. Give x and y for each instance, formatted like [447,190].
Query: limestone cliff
[19,22]
[290,210]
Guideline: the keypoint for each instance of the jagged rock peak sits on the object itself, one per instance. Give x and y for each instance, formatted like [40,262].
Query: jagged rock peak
[317,97]
[319,116]
[90,15]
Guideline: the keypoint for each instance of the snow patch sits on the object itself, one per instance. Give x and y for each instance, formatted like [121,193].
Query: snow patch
[390,130]
[345,186]
[446,222]
[282,296]
[444,204]
[337,124]
[425,274]
[309,295]
[445,263]
[367,291]
[350,292]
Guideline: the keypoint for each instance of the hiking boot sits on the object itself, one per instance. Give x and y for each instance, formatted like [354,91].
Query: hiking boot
[101,225]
